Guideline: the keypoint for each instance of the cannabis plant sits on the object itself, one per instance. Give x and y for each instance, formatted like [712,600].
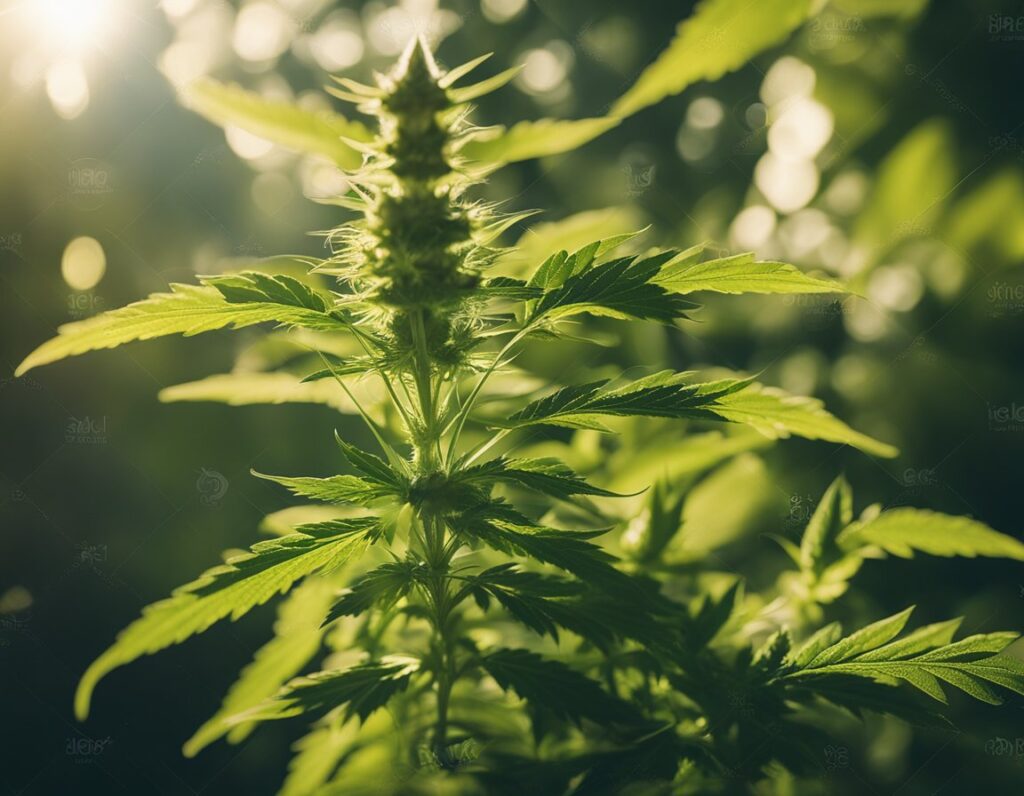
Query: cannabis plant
[482,634]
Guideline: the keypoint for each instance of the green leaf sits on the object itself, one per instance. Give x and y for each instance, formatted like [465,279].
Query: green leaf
[621,288]
[833,513]
[318,755]
[867,638]
[924,659]
[467,93]
[187,310]
[904,530]
[231,589]
[245,389]
[362,689]
[371,467]
[555,687]
[548,476]
[664,394]
[542,138]
[350,489]
[573,232]
[382,587]
[739,274]
[720,37]
[312,132]
[777,414]
[297,637]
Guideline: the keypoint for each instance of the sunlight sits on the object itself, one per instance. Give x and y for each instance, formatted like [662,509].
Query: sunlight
[70,25]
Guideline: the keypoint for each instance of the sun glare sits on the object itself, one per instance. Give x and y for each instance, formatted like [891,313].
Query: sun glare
[70,25]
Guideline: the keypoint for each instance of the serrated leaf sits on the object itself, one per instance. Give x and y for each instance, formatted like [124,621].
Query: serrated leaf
[904,530]
[549,476]
[720,37]
[297,637]
[664,394]
[867,638]
[317,756]
[555,687]
[311,132]
[776,414]
[740,273]
[187,310]
[344,489]
[621,288]
[541,138]
[370,466]
[923,659]
[833,513]
[381,587]
[362,689]
[231,589]
[820,640]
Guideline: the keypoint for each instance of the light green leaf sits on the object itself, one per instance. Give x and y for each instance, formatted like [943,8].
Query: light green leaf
[910,190]
[318,755]
[777,414]
[833,513]
[529,140]
[902,531]
[311,132]
[549,476]
[244,389]
[231,589]
[720,37]
[350,489]
[297,637]
[867,638]
[740,274]
[187,310]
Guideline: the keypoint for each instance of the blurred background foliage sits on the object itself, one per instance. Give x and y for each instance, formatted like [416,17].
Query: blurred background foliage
[883,143]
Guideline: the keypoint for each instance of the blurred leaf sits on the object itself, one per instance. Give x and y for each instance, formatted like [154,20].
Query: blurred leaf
[777,414]
[318,755]
[244,389]
[297,637]
[542,138]
[911,187]
[554,687]
[571,233]
[739,274]
[231,589]
[906,9]
[720,37]
[737,499]
[902,531]
[291,126]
